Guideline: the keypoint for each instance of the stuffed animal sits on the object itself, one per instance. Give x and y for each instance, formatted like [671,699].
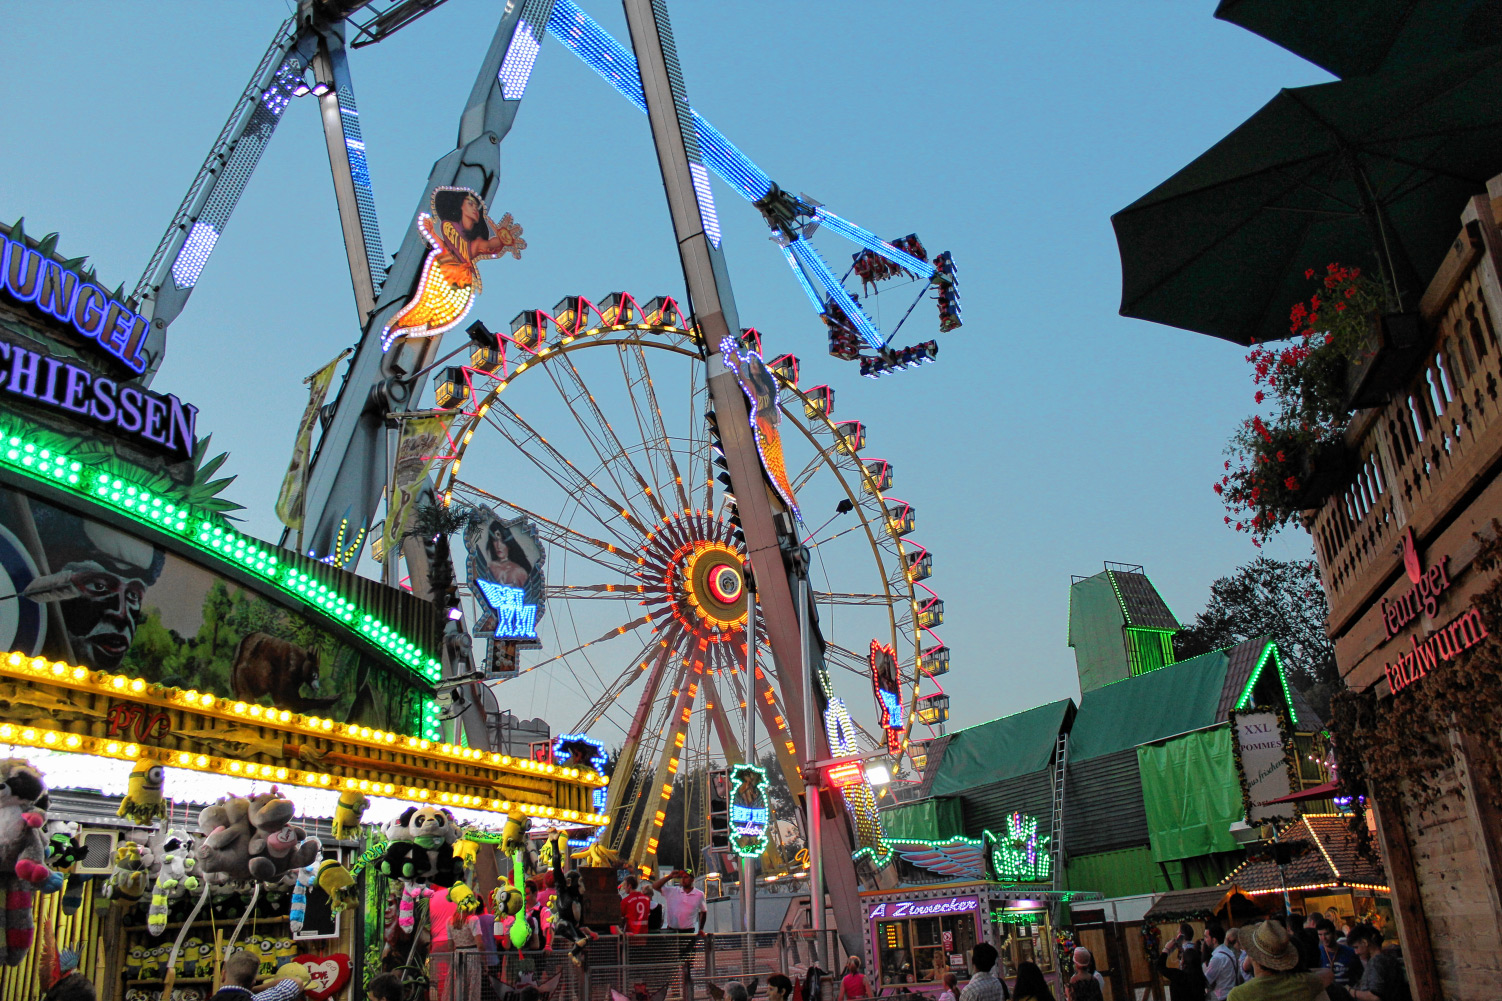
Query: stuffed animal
[172,859]
[568,904]
[187,959]
[143,792]
[297,971]
[347,814]
[421,846]
[252,839]
[127,882]
[284,953]
[23,852]
[336,881]
[465,900]
[266,950]
[299,910]
[134,962]
[514,833]
[151,963]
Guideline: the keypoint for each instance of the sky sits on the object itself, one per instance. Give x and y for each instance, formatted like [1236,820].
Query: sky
[1050,435]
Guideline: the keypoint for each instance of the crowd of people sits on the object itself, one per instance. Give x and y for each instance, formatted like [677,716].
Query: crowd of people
[1283,959]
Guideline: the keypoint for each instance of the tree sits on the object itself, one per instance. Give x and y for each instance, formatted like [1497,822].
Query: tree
[1282,599]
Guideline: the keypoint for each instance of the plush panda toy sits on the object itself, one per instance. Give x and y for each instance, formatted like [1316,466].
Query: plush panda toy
[421,848]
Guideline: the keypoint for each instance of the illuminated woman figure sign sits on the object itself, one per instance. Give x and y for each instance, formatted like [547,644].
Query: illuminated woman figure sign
[760,387]
[460,233]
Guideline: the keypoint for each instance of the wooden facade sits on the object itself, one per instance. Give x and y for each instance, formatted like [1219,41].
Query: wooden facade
[1425,486]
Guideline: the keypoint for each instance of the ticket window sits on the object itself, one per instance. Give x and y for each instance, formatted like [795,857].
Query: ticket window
[922,950]
[1025,937]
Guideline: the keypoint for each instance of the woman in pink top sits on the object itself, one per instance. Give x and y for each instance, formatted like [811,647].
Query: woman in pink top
[853,983]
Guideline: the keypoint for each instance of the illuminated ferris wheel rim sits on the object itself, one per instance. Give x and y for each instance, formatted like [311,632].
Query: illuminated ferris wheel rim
[682,339]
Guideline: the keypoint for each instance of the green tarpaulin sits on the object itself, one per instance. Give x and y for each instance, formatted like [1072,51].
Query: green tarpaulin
[1173,699]
[934,819]
[1192,794]
[1001,749]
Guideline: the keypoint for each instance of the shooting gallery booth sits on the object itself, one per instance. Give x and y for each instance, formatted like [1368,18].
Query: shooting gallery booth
[154,660]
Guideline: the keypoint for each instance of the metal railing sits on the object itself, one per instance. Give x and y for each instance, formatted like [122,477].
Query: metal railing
[683,964]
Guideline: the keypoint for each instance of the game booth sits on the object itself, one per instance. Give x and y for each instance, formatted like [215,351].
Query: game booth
[206,739]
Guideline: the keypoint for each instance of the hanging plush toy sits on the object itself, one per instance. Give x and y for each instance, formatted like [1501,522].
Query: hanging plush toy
[514,833]
[252,839]
[171,858]
[299,912]
[421,846]
[127,882]
[568,904]
[143,793]
[465,900]
[63,853]
[22,852]
[336,881]
[347,813]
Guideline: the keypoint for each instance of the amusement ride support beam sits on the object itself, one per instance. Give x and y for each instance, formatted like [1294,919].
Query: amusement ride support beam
[697,232]
[341,131]
[625,766]
[348,471]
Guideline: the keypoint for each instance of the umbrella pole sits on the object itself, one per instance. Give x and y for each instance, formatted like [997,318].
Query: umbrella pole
[1392,260]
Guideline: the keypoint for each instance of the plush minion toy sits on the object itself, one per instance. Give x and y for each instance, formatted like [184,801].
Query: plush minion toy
[284,953]
[134,962]
[143,793]
[347,813]
[187,958]
[267,953]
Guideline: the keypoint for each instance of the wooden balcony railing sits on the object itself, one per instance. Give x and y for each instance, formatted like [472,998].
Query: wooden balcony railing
[1423,452]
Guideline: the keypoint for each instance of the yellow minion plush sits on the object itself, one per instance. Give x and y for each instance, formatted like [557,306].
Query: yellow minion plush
[134,962]
[143,792]
[151,963]
[187,958]
[268,956]
[347,813]
[285,950]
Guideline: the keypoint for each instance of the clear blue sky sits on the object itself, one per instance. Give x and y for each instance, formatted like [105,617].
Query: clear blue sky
[1052,433]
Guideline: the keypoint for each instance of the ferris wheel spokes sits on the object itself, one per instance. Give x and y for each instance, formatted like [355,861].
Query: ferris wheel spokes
[556,534]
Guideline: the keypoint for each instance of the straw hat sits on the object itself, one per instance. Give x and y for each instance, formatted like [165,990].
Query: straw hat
[1269,947]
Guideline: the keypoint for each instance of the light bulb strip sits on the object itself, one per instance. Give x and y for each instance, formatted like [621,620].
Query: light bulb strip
[58,740]
[139,689]
[205,531]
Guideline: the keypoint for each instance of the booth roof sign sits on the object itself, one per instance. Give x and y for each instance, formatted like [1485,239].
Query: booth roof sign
[31,278]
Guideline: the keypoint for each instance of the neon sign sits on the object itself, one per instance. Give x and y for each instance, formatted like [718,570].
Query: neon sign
[884,678]
[760,387]
[846,774]
[514,620]
[750,813]
[162,422]
[461,234]
[1020,856]
[925,908]
[30,278]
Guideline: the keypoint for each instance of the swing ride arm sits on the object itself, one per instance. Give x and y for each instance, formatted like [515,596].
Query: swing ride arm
[349,469]
[765,521]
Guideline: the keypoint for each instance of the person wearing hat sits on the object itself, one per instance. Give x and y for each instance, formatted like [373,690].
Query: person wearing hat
[1274,956]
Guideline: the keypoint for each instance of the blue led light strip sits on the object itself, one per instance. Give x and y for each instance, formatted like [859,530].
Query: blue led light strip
[516,68]
[813,264]
[870,241]
[204,531]
[808,289]
[359,169]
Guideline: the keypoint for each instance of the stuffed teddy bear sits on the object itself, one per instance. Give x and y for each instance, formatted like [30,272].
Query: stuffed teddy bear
[252,839]
[421,847]
[23,852]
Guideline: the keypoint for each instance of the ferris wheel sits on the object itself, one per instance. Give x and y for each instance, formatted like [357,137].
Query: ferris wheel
[587,429]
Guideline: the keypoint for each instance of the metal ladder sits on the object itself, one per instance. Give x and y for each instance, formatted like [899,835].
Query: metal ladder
[1056,831]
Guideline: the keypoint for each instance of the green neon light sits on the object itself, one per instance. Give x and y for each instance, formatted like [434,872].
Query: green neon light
[207,532]
[1271,651]
[744,845]
[1021,856]
[880,858]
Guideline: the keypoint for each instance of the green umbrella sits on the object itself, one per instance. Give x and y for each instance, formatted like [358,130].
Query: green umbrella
[1358,37]
[1372,171]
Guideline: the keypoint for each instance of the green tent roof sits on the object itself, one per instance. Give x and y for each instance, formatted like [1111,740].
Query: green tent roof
[1001,749]
[1189,695]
